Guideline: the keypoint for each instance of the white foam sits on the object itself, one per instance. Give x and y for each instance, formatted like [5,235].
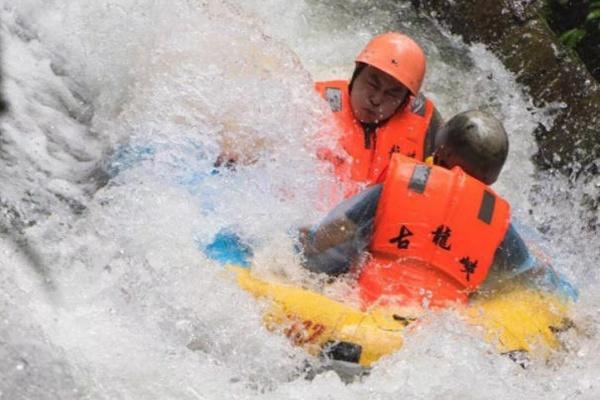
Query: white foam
[106,295]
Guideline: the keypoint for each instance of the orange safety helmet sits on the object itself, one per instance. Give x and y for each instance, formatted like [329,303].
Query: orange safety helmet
[396,55]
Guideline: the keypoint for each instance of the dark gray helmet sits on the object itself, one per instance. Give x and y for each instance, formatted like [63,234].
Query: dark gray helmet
[475,141]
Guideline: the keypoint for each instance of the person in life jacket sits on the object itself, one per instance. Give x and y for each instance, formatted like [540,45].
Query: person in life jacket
[433,232]
[380,111]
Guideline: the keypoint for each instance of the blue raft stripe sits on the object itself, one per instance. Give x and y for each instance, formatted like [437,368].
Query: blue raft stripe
[228,248]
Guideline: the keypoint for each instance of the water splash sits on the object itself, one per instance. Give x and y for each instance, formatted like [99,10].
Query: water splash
[134,310]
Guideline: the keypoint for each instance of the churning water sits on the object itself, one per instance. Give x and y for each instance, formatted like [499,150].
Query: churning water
[103,291]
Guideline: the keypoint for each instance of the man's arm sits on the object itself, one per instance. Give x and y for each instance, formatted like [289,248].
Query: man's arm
[332,245]
[514,259]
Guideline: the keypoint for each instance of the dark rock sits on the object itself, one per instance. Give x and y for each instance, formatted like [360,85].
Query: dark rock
[518,34]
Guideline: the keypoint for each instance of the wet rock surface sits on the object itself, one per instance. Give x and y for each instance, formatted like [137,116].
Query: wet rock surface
[518,34]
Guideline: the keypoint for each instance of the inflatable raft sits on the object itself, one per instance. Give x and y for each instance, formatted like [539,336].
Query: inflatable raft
[515,319]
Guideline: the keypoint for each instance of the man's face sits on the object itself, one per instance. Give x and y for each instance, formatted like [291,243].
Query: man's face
[376,95]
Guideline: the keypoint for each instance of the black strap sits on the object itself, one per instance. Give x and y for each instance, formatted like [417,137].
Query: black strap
[370,131]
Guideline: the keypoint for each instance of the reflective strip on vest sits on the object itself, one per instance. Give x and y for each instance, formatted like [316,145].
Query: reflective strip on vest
[334,98]
[419,177]
[486,211]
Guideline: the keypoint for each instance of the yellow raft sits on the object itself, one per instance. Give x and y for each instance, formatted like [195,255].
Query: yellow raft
[515,319]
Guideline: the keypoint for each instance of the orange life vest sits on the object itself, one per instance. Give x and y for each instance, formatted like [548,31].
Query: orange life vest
[404,133]
[435,235]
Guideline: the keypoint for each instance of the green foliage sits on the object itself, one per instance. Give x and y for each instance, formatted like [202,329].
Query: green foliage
[573,36]
[577,24]
[593,15]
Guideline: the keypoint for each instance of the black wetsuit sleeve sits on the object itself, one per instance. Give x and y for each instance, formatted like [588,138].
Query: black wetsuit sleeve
[338,259]
[434,125]
[513,259]
[512,252]
[365,206]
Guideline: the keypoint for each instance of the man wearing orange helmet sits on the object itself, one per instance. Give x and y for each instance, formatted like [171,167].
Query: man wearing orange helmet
[380,110]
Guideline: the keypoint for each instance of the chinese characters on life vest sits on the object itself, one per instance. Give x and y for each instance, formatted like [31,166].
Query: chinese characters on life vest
[401,240]
[441,235]
[469,266]
[441,238]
